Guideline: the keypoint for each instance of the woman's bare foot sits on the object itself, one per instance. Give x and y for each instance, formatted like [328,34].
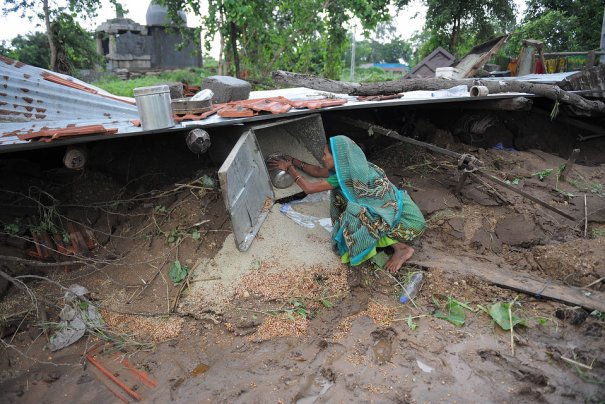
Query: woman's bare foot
[402,253]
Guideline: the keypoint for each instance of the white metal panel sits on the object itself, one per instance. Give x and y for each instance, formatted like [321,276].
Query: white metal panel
[246,188]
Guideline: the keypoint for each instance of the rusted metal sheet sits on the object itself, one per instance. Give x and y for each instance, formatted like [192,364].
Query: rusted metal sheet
[34,100]
[478,56]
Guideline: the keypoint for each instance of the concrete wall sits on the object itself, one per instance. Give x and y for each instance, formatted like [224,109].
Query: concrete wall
[164,52]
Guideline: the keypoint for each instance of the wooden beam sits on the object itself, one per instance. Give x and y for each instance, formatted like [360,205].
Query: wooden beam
[569,164]
[500,276]
[524,194]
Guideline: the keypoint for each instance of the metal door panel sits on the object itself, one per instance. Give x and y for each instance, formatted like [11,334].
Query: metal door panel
[246,189]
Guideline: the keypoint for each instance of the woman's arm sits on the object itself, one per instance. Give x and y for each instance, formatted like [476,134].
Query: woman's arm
[312,170]
[310,187]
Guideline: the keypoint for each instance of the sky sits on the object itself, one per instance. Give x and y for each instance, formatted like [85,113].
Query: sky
[408,21]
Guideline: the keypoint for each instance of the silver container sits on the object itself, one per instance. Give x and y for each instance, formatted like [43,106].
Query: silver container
[154,107]
[279,178]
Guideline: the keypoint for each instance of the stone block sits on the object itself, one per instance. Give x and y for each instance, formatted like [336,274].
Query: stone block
[227,88]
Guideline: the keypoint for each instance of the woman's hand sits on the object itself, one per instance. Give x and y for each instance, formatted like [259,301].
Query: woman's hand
[283,165]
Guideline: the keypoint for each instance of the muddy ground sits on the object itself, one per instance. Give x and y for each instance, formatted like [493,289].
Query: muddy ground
[286,327]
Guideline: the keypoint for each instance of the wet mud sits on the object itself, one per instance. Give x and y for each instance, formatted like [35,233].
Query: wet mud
[226,336]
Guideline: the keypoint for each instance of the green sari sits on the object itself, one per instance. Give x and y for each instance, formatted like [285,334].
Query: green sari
[367,210]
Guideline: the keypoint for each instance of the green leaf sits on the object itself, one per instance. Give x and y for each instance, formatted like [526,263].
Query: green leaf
[466,306]
[196,235]
[543,174]
[380,259]
[177,272]
[411,323]
[327,304]
[454,313]
[499,312]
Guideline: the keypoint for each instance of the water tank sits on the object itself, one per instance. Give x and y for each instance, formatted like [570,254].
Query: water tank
[158,15]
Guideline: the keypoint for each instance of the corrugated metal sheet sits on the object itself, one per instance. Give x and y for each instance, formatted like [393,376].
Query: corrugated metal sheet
[32,98]
[551,78]
[301,93]
[478,56]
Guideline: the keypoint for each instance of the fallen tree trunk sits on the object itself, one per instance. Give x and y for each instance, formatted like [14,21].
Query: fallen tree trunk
[551,92]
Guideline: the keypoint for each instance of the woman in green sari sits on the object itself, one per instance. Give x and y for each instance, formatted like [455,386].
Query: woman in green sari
[366,209]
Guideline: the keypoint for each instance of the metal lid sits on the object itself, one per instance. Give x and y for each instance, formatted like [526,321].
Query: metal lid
[151,90]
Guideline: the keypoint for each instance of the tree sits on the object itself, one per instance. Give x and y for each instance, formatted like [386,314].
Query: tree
[563,25]
[258,36]
[76,48]
[456,24]
[372,51]
[31,49]
[48,12]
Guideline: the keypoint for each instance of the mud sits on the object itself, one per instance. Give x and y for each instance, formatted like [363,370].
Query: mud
[286,322]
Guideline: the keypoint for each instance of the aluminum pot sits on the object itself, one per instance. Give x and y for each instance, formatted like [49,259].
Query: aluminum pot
[279,178]
[154,107]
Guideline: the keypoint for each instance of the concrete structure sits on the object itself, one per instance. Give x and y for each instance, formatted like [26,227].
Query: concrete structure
[140,48]
[227,88]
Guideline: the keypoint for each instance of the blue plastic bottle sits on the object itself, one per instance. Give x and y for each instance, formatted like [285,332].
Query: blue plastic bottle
[412,287]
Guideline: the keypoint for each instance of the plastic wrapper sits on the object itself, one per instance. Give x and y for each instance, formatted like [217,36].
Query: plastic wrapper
[305,220]
[204,95]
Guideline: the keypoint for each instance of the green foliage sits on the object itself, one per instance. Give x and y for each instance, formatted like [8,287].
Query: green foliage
[582,184]
[298,308]
[196,235]
[457,25]
[411,323]
[68,37]
[563,25]
[177,272]
[13,228]
[126,88]
[453,311]
[76,45]
[543,174]
[327,303]
[32,49]
[174,237]
[307,36]
[597,231]
[372,51]
[503,316]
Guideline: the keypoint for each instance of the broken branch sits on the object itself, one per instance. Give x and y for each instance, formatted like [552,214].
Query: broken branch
[551,92]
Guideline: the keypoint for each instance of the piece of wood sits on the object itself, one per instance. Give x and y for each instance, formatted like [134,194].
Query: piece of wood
[552,92]
[569,164]
[393,134]
[524,194]
[499,275]
[509,104]
[461,182]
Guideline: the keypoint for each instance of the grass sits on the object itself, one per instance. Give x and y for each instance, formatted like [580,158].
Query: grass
[370,75]
[125,88]
[598,231]
[194,77]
